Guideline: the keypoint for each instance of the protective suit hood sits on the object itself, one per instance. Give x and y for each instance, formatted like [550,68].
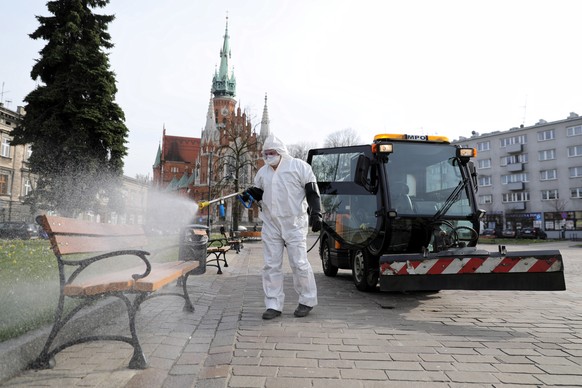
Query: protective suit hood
[274,143]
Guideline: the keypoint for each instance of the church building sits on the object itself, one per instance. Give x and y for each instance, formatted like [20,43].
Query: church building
[223,160]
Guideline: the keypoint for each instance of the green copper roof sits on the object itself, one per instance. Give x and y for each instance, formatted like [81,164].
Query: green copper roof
[223,82]
[191,179]
[158,161]
[183,183]
[173,185]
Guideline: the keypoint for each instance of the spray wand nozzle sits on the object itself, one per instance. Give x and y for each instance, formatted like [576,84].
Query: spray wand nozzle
[203,204]
[246,204]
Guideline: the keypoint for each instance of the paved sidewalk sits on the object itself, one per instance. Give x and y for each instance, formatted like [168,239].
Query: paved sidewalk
[351,339]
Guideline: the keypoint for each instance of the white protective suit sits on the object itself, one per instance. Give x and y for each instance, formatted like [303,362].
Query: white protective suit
[285,223]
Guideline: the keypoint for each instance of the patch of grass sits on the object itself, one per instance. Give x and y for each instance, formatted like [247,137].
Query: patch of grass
[29,281]
[28,286]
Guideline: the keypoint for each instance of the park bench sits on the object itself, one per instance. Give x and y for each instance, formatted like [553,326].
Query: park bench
[233,241]
[218,248]
[78,247]
[250,235]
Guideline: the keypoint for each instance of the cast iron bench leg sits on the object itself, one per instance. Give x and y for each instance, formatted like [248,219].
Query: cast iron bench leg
[138,360]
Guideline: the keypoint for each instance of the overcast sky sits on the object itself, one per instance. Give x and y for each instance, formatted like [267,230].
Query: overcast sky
[420,67]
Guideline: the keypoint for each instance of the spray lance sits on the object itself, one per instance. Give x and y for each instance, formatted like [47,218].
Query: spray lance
[247,204]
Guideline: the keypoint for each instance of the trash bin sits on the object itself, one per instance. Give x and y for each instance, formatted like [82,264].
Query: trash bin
[193,244]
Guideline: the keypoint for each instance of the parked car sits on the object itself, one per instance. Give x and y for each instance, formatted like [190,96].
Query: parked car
[536,233]
[510,233]
[20,230]
[488,233]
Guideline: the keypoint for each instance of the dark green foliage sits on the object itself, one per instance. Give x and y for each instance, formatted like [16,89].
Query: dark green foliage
[72,122]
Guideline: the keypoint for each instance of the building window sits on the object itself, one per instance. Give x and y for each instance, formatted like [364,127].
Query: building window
[574,131]
[575,172]
[485,199]
[515,197]
[547,155]
[484,180]
[513,178]
[548,175]
[27,189]
[28,152]
[512,159]
[174,170]
[550,134]
[558,220]
[483,146]
[549,194]
[484,163]
[5,150]
[575,151]
[576,192]
[521,139]
[4,183]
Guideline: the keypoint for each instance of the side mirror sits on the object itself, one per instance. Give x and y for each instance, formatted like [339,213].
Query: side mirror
[362,173]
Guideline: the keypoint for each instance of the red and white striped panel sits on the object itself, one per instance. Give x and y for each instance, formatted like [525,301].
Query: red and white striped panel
[480,265]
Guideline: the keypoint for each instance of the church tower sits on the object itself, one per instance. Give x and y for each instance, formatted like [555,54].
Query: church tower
[265,131]
[226,156]
[224,84]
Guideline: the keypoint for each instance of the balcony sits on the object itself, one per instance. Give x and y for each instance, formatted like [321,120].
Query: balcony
[514,148]
[515,206]
[515,167]
[515,186]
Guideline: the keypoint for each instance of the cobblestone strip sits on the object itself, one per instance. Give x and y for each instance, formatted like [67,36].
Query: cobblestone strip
[222,322]
[446,339]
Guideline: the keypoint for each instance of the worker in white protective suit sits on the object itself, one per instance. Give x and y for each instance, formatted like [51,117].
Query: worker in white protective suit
[287,187]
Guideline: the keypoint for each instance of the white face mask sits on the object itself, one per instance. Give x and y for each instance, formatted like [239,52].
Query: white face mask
[273,160]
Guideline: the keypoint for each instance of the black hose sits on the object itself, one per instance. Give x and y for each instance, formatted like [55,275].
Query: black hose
[318,237]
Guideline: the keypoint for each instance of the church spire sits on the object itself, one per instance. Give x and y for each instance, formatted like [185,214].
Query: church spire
[210,132]
[265,131]
[223,82]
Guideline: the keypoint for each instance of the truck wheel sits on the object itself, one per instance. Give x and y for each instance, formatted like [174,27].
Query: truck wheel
[365,271]
[328,268]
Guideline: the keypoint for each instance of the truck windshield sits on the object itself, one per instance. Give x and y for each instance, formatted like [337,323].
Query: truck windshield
[424,179]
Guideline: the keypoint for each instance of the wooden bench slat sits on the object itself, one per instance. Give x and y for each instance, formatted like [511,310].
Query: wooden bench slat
[86,244]
[75,226]
[161,274]
[99,284]
[224,249]
[164,274]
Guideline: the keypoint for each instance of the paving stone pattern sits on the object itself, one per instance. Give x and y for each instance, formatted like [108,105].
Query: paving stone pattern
[351,339]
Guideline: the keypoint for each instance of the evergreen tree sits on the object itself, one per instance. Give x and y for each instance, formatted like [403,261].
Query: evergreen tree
[72,122]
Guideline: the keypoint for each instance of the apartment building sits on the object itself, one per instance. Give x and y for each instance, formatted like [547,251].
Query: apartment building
[15,180]
[532,176]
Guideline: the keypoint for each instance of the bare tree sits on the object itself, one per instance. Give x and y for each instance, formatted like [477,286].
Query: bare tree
[143,178]
[559,204]
[236,164]
[300,150]
[345,137]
